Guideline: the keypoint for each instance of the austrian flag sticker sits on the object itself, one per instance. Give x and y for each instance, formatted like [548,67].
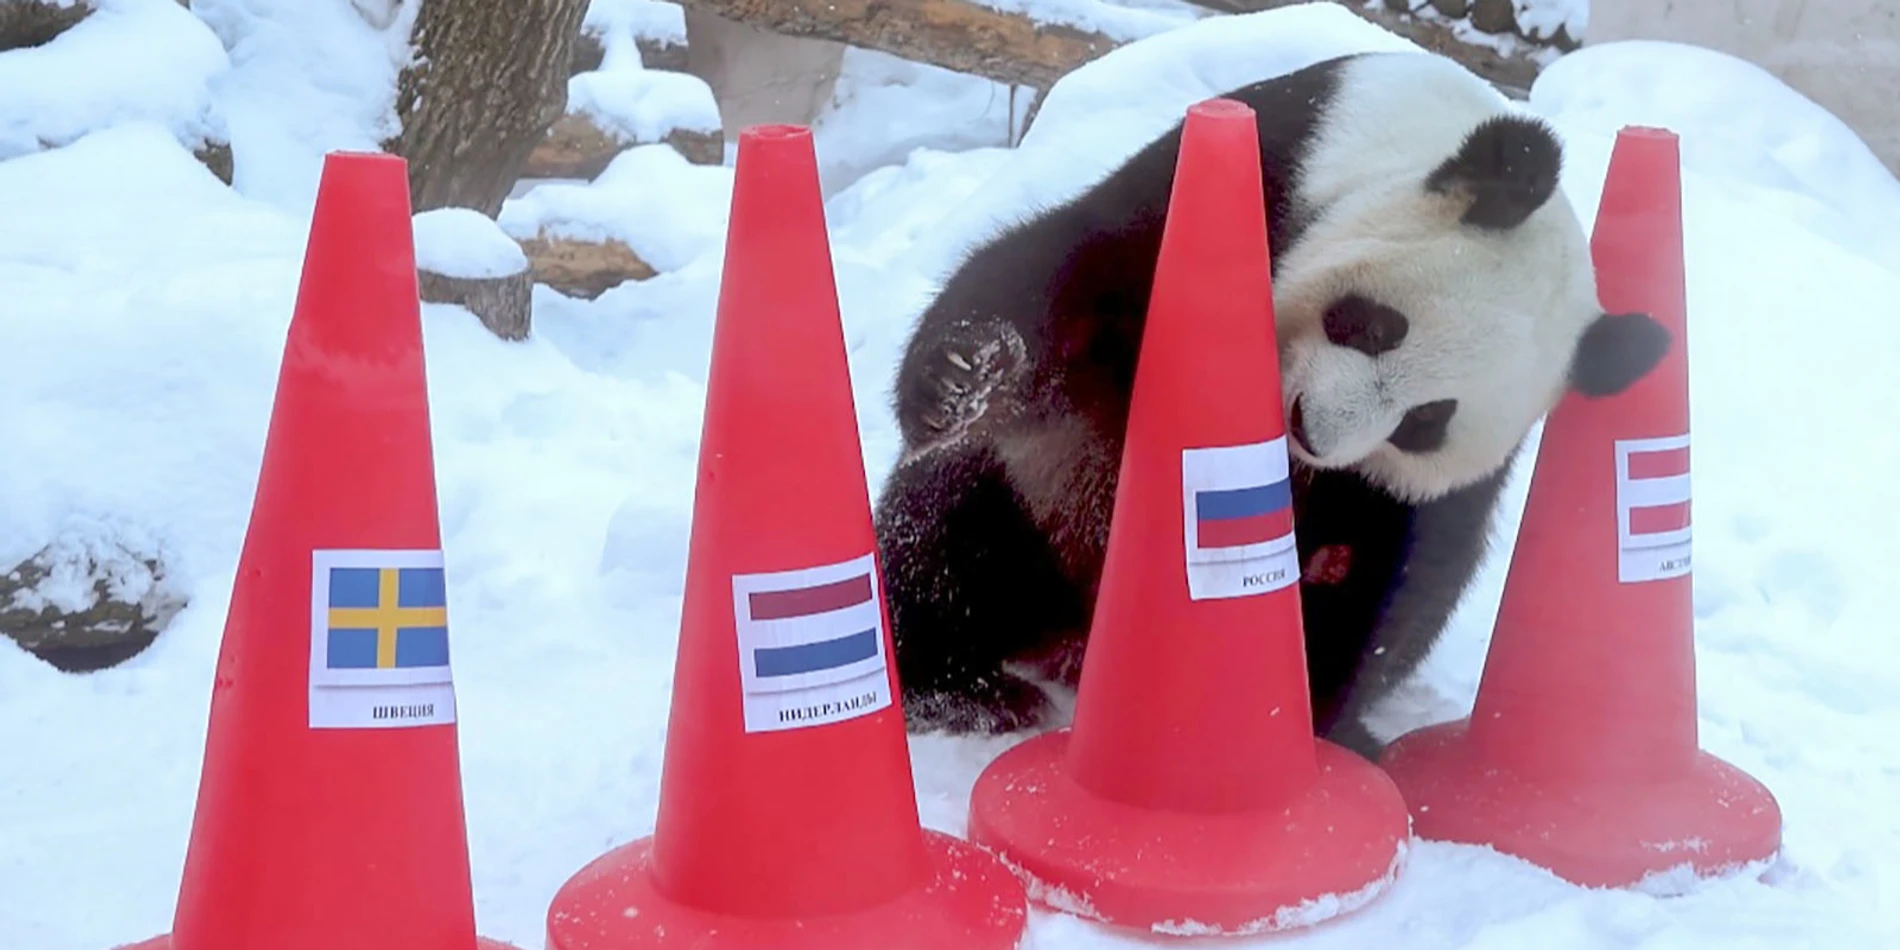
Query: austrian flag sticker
[1652,508]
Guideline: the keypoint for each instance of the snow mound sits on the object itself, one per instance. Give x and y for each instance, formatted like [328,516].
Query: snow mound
[161,62]
[643,105]
[1737,122]
[649,198]
[465,243]
[305,79]
[636,20]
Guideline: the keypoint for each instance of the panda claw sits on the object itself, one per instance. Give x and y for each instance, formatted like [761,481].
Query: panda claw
[990,706]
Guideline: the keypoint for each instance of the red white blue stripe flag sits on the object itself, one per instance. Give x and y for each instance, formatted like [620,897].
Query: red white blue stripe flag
[811,645]
[1239,518]
[1652,508]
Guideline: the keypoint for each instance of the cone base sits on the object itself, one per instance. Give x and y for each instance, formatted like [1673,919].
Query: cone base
[970,903]
[1594,834]
[164,942]
[1323,855]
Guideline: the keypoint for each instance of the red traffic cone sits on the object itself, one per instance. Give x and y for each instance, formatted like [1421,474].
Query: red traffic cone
[1190,794]
[330,808]
[1581,754]
[787,816]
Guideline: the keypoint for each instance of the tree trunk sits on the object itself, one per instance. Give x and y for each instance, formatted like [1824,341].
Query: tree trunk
[488,80]
[505,305]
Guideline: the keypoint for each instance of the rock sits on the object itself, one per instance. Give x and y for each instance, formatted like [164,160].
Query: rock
[1456,9]
[463,257]
[583,268]
[216,156]
[88,601]
[25,23]
[1493,16]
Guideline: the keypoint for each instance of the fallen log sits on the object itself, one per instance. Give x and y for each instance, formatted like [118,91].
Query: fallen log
[577,147]
[953,34]
[1512,75]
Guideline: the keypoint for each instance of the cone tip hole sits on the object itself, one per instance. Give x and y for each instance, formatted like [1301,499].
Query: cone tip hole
[1222,108]
[358,155]
[777,130]
[1652,132]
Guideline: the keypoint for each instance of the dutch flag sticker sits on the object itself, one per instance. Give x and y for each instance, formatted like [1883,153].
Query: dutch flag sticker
[1238,517]
[811,645]
[1652,508]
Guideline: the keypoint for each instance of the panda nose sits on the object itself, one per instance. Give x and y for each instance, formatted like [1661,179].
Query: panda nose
[1296,427]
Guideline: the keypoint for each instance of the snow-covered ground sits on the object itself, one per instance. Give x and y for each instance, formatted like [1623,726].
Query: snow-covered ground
[142,308]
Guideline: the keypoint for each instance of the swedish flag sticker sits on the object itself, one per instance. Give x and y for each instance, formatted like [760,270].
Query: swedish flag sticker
[379,640]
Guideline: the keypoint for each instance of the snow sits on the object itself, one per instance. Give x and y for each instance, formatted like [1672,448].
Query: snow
[884,109]
[161,58]
[643,105]
[463,242]
[1737,121]
[666,226]
[1541,19]
[143,322]
[654,20]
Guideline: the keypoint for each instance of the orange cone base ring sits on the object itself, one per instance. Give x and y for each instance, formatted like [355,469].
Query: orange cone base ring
[165,943]
[971,903]
[1328,853]
[1716,819]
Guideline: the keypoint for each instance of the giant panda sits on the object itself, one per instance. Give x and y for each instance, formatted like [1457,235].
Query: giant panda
[1434,296]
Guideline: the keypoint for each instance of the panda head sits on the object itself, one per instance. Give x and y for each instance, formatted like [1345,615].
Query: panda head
[1440,296]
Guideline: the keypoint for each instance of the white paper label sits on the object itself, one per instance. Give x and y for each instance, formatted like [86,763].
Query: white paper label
[811,645]
[379,640]
[1238,515]
[1652,509]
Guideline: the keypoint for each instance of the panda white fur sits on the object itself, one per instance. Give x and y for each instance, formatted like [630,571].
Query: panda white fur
[1434,295]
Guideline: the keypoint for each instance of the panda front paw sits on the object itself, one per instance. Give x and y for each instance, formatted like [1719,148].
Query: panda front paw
[988,706]
[1353,734]
[973,362]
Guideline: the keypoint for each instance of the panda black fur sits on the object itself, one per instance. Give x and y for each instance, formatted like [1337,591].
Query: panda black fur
[1432,302]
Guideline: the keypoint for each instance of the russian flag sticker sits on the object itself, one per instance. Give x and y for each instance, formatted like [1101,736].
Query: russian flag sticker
[1652,508]
[811,645]
[1238,517]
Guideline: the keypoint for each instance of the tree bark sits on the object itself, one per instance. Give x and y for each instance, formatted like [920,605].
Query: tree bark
[954,34]
[503,304]
[27,23]
[487,81]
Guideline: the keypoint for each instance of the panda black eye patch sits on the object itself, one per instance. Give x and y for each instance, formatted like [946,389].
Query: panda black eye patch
[1358,323]
[1423,428]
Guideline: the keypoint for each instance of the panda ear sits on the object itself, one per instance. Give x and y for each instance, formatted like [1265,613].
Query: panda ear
[1615,351]
[1507,168]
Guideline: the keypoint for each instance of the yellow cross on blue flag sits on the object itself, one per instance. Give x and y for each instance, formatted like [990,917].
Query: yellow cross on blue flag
[379,639]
